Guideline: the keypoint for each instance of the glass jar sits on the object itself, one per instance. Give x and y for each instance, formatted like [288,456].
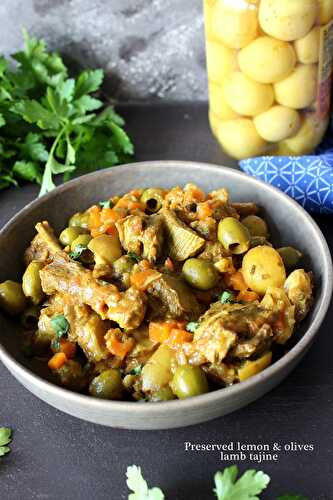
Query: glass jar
[269,65]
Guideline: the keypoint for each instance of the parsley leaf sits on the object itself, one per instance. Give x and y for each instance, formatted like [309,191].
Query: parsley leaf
[227,297]
[192,326]
[76,254]
[247,487]
[139,486]
[34,148]
[5,439]
[60,325]
[106,204]
[136,371]
[28,171]
[134,257]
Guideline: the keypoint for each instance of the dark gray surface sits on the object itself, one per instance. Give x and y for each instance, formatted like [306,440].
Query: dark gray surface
[148,48]
[57,456]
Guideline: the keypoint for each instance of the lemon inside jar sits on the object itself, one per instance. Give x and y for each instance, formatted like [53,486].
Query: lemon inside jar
[269,71]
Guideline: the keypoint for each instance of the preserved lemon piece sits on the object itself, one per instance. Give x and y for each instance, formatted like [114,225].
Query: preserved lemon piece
[240,138]
[251,368]
[299,89]
[278,123]
[247,97]
[220,61]
[218,104]
[325,11]
[308,137]
[287,20]
[262,268]
[307,48]
[234,26]
[267,60]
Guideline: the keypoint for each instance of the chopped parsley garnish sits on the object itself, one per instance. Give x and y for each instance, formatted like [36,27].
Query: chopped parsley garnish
[227,297]
[134,257]
[192,326]
[136,371]
[5,439]
[106,204]
[76,254]
[60,325]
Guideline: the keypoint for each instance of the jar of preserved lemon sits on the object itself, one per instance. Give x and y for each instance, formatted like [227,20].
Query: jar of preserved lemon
[270,65]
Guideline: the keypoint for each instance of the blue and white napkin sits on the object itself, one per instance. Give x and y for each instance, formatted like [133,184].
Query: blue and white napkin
[307,179]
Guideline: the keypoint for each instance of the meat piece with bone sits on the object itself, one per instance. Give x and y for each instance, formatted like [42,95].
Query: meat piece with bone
[44,244]
[225,324]
[142,235]
[66,276]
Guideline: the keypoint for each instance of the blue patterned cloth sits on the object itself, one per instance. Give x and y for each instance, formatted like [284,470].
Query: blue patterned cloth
[307,179]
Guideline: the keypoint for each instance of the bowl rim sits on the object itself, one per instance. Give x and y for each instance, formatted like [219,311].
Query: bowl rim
[197,402]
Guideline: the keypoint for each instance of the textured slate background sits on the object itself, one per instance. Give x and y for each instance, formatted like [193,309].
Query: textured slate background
[149,48]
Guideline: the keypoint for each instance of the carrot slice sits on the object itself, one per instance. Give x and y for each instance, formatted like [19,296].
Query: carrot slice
[142,279]
[118,348]
[237,282]
[204,210]
[57,361]
[159,331]
[247,296]
[178,336]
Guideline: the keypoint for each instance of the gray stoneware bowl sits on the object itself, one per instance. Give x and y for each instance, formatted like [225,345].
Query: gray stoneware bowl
[290,225]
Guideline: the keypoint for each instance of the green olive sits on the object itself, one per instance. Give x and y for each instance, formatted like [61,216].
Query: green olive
[82,239]
[72,375]
[164,394]
[68,235]
[107,385]
[256,226]
[157,371]
[189,381]
[106,248]
[153,199]
[30,317]
[123,265]
[12,298]
[257,241]
[200,274]
[290,257]
[233,235]
[80,219]
[31,284]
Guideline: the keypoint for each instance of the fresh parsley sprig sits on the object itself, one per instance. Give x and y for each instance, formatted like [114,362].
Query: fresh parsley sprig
[50,123]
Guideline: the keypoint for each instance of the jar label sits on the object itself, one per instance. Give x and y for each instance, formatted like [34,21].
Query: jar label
[325,71]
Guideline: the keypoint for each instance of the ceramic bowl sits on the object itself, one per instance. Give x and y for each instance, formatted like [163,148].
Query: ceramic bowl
[290,225]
